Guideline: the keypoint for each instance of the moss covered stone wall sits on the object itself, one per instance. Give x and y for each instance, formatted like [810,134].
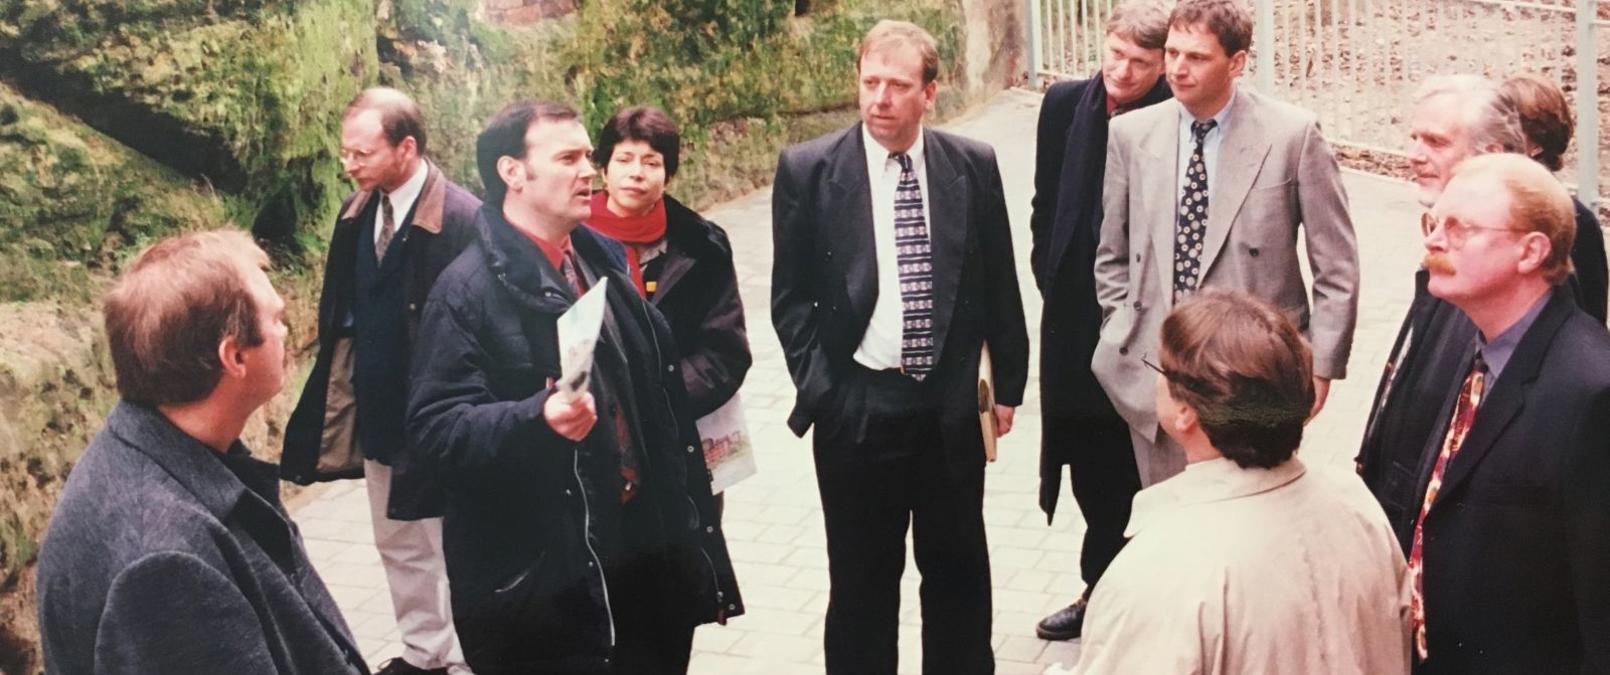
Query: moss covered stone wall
[122,121]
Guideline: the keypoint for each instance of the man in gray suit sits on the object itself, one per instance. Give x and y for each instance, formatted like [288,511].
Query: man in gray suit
[1210,193]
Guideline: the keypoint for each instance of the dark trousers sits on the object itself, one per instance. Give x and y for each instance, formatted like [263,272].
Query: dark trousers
[878,470]
[1101,467]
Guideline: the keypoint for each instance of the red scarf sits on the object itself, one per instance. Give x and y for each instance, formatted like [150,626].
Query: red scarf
[630,230]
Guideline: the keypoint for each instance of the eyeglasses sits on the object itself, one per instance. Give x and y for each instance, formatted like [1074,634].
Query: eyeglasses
[1178,378]
[1457,232]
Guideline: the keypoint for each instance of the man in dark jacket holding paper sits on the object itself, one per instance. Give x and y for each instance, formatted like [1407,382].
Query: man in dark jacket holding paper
[579,528]
[1081,429]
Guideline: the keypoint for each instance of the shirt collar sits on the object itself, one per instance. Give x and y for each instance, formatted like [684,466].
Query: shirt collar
[403,198]
[1498,352]
[1213,480]
[878,156]
[1221,117]
[555,252]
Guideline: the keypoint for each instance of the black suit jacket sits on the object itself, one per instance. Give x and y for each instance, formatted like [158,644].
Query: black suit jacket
[824,279]
[1516,547]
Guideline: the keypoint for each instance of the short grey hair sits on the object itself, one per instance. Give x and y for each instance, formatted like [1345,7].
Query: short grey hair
[1143,22]
[1490,117]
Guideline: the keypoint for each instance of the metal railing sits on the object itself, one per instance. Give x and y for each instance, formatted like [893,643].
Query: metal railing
[1357,62]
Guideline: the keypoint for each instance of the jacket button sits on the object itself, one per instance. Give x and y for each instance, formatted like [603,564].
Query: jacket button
[720,595]
[1137,304]
[692,450]
[1254,252]
[732,608]
[568,493]
[1137,257]
[413,307]
[589,563]
[1123,351]
[829,255]
[709,529]
[670,368]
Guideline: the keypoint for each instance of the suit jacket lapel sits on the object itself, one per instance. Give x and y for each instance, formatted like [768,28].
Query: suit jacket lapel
[947,200]
[1241,155]
[1508,396]
[1161,187]
[849,223]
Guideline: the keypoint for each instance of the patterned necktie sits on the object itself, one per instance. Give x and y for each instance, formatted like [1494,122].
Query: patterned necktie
[915,259]
[388,227]
[1464,414]
[1192,221]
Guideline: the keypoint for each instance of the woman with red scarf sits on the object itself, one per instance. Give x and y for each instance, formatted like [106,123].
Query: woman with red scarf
[681,262]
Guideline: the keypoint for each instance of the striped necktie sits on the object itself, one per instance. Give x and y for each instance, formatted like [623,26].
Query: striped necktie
[915,259]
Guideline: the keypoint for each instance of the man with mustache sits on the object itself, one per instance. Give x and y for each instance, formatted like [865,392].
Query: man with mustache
[1508,530]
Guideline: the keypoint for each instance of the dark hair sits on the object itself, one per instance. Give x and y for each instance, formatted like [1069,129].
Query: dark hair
[168,312]
[1228,20]
[1545,116]
[399,115]
[643,123]
[1246,371]
[504,136]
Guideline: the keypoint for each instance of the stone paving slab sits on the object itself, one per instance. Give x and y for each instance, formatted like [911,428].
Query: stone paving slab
[773,520]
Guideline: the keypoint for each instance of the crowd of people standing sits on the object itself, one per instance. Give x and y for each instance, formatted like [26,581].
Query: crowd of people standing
[530,524]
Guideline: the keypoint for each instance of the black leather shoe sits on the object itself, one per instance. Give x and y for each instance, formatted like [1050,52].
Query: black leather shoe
[398,666]
[1065,623]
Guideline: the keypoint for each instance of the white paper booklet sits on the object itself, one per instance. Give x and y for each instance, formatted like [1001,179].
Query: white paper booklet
[578,335]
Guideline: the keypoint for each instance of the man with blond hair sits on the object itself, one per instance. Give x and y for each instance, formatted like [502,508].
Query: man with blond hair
[893,269]
[1080,428]
[169,551]
[1508,533]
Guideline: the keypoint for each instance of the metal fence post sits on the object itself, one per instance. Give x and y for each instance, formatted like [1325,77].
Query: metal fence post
[1587,103]
[1264,41]
[1032,17]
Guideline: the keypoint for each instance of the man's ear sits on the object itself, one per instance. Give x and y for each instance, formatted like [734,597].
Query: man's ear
[512,171]
[1536,248]
[232,357]
[1185,419]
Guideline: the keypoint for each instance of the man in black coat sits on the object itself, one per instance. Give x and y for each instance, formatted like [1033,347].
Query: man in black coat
[1080,428]
[1508,520]
[579,528]
[169,551]
[893,269]
[402,227]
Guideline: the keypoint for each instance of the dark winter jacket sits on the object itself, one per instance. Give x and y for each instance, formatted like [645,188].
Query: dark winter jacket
[438,228]
[527,508]
[697,291]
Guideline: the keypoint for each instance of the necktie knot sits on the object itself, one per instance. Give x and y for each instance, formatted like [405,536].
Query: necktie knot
[1200,129]
[903,159]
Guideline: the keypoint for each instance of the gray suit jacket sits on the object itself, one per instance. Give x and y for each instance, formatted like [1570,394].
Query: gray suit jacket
[1274,173]
[161,559]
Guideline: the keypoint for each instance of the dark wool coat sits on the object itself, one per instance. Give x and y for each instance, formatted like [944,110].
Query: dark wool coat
[527,508]
[1066,225]
[161,559]
[440,225]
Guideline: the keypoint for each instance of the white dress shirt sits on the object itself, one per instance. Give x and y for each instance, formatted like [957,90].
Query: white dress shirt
[1210,147]
[880,346]
[402,199]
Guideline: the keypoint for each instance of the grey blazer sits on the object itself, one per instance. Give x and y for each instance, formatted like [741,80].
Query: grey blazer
[1274,173]
[160,559]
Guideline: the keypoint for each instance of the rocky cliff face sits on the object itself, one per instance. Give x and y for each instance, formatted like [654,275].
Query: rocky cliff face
[122,121]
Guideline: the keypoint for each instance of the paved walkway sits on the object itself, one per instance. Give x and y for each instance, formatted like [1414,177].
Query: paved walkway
[773,520]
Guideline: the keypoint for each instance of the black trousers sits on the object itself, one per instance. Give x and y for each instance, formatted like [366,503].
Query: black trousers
[879,469]
[1101,467]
